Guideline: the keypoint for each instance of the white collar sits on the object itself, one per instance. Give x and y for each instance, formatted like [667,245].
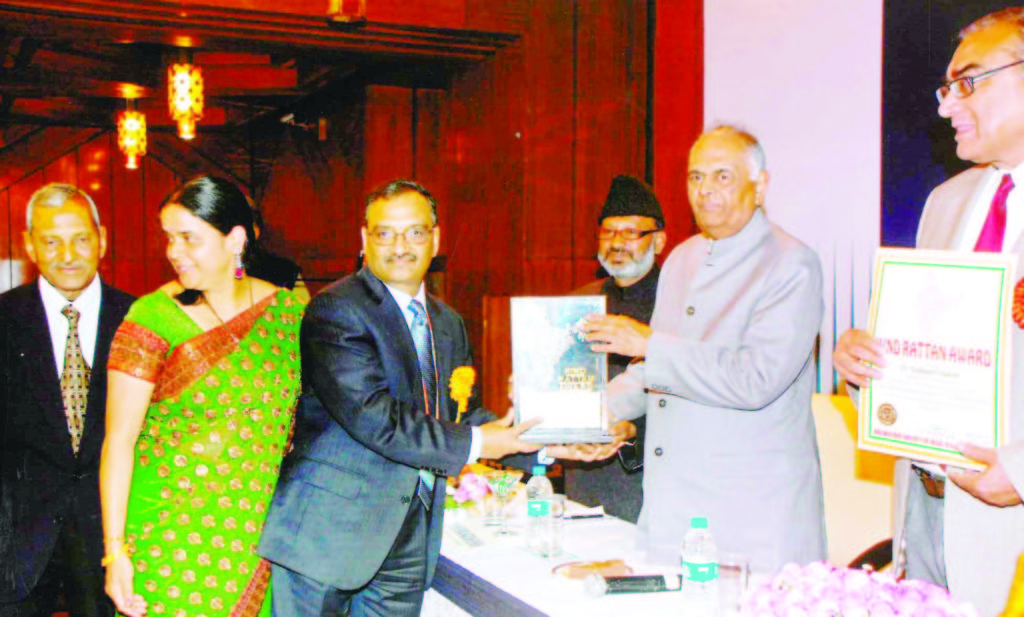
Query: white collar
[87,302]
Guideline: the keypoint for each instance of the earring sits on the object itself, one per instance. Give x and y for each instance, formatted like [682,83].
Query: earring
[239,268]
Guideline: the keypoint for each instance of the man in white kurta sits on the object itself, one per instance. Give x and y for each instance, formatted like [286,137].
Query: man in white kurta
[729,372]
[967,533]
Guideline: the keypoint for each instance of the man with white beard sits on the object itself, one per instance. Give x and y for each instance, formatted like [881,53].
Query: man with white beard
[630,235]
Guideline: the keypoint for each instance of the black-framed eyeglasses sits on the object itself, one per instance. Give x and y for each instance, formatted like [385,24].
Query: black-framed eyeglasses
[963,87]
[629,234]
[385,236]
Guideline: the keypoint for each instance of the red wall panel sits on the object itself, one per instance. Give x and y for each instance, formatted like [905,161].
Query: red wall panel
[678,107]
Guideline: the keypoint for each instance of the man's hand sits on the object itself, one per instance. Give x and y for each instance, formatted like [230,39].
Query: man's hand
[617,334]
[855,349]
[588,452]
[992,485]
[501,438]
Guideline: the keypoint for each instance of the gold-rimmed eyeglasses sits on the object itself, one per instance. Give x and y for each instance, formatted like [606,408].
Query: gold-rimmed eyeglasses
[963,87]
[629,234]
[385,236]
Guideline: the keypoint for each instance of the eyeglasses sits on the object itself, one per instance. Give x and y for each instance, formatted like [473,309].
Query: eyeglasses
[629,234]
[963,87]
[385,236]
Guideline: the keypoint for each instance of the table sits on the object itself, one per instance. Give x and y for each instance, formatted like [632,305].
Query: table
[500,578]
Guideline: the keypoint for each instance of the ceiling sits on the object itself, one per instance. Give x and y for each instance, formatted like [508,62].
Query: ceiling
[74,63]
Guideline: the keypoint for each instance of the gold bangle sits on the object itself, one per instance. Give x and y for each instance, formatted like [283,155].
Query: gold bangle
[112,557]
[113,539]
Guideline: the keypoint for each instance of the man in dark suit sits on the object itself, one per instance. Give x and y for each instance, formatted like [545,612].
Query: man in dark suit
[55,336]
[357,516]
[630,235]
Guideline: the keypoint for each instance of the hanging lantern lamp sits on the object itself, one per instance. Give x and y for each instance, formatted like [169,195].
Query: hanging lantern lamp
[185,97]
[131,135]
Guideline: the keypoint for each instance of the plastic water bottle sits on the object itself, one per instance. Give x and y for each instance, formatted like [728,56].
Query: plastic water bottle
[539,525]
[700,571]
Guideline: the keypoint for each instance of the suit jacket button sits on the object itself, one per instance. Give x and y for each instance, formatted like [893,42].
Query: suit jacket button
[690,310]
[662,402]
[658,452]
[406,500]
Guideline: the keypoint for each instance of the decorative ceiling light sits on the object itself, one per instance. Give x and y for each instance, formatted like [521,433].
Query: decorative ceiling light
[185,97]
[346,11]
[131,135]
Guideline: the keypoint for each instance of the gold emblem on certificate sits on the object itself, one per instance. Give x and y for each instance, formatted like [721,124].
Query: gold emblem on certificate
[887,414]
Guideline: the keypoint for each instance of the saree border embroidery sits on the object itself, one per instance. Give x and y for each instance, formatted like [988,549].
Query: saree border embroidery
[192,359]
[251,600]
[137,351]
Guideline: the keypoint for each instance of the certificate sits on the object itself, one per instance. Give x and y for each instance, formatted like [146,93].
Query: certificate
[557,377]
[943,319]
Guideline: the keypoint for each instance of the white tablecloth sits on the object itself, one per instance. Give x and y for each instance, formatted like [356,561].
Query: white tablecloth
[505,563]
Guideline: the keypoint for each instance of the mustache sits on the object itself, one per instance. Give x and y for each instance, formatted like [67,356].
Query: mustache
[409,257]
[618,251]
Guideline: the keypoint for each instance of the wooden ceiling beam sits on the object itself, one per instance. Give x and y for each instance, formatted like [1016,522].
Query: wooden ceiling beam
[219,27]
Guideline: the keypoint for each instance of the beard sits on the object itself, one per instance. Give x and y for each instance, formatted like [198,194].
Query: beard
[634,269]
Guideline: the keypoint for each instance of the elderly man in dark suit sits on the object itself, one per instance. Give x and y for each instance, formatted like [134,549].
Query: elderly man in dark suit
[55,336]
[356,519]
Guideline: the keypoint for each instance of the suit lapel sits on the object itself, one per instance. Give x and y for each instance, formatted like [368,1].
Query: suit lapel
[960,217]
[40,348]
[108,323]
[444,339]
[398,335]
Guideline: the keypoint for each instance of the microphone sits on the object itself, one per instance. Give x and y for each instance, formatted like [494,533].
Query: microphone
[596,585]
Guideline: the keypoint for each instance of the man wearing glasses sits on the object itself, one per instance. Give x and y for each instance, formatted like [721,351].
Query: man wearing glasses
[966,533]
[355,524]
[728,373]
[630,234]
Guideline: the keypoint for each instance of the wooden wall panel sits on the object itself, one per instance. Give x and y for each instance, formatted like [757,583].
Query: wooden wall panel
[20,192]
[389,135]
[38,150]
[127,252]
[64,169]
[549,134]
[158,182]
[611,105]
[678,107]
[94,176]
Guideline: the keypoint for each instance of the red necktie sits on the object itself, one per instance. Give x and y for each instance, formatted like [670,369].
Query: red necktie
[991,238]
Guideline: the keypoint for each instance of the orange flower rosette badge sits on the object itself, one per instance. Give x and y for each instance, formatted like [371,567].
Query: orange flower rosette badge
[461,386]
[1018,304]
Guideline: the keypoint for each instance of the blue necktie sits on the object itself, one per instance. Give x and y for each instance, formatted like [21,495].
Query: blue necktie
[425,356]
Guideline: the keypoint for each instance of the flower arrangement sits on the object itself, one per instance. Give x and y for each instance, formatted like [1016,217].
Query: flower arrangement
[469,489]
[823,589]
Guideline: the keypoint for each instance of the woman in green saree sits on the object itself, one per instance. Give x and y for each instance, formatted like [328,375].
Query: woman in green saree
[203,379]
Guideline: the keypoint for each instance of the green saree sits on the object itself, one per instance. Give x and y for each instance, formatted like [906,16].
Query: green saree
[208,456]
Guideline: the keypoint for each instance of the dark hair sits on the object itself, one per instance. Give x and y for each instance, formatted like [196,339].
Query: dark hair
[398,187]
[224,206]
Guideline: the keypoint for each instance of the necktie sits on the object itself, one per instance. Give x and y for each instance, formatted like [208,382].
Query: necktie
[74,383]
[425,356]
[991,238]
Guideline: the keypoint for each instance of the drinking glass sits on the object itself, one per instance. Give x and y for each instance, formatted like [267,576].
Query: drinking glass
[503,483]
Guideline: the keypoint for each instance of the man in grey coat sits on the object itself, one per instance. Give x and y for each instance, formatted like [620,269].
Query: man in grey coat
[728,373]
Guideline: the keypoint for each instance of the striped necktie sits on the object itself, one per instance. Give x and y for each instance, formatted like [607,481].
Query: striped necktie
[421,337]
[74,382]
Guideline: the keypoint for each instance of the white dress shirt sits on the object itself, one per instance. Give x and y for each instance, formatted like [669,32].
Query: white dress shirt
[88,306]
[403,299]
[1014,210]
